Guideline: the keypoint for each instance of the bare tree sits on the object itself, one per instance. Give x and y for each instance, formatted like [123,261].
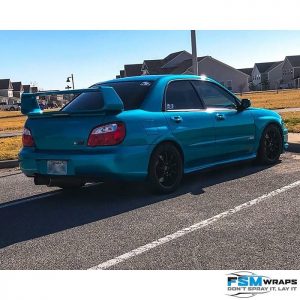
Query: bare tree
[242,87]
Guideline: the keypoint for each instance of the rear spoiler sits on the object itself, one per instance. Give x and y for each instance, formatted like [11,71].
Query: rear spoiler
[112,101]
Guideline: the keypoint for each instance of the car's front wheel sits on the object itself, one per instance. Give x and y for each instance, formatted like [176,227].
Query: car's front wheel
[165,168]
[270,145]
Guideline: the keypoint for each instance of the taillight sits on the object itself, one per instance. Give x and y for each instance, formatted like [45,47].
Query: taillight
[107,135]
[27,138]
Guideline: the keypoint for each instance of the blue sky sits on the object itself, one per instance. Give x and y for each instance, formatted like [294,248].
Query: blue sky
[48,57]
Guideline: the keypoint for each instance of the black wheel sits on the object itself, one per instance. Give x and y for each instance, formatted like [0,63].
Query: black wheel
[165,169]
[270,146]
[12,108]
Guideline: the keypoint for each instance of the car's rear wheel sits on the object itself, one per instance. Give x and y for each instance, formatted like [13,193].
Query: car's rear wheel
[270,146]
[165,169]
[12,108]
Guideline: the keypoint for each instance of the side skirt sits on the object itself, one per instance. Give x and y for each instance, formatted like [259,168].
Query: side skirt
[219,163]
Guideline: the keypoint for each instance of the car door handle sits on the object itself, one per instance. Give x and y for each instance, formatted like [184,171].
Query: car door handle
[220,117]
[176,119]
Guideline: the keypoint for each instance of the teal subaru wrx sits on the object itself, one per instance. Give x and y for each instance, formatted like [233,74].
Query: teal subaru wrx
[150,128]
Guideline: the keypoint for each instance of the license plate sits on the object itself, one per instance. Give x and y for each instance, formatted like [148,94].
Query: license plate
[57,167]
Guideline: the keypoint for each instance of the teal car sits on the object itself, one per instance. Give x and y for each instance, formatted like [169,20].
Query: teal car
[145,128]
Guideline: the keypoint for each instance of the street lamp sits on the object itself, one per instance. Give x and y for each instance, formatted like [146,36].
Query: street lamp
[68,80]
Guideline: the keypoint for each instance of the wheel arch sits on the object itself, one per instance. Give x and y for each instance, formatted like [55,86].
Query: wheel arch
[168,141]
[271,122]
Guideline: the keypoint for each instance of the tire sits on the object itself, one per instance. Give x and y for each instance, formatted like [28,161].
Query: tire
[12,109]
[165,170]
[271,145]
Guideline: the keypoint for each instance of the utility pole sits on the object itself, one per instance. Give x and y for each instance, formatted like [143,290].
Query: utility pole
[194,52]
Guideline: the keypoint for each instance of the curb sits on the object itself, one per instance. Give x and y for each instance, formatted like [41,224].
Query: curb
[7,135]
[5,164]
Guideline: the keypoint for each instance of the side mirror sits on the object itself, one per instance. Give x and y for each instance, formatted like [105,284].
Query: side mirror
[245,103]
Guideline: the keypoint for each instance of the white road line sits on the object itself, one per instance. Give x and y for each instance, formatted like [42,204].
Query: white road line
[29,199]
[187,230]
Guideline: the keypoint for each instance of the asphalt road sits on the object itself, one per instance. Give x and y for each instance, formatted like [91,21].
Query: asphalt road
[45,228]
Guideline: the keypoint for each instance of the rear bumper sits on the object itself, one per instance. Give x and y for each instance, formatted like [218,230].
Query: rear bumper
[108,163]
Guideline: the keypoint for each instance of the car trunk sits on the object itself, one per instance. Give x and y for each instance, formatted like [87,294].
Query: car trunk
[64,131]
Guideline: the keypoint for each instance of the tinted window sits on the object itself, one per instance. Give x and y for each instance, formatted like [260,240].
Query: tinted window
[214,96]
[85,101]
[131,93]
[182,95]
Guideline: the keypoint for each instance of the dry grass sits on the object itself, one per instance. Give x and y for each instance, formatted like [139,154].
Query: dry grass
[12,124]
[9,147]
[4,114]
[292,120]
[272,100]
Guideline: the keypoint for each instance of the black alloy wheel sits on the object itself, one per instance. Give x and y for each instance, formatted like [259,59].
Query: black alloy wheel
[270,145]
[165,168]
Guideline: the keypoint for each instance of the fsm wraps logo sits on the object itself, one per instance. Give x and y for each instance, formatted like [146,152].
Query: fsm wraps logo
[245,284]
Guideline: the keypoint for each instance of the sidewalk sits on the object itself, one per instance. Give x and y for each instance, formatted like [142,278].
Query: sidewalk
[294,142]
[10,134]
[281,110]
[294,138]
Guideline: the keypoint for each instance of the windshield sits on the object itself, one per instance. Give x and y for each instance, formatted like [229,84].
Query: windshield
[132,94]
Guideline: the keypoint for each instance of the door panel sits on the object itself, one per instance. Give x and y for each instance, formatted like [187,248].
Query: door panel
[195,133]
[234,132]
[234,129]
[190,124]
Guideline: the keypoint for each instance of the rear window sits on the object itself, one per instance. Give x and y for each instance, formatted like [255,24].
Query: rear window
[85,101]
[132,94]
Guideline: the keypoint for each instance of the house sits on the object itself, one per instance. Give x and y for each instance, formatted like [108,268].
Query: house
[152,67]
[18,89]
[165,65]
[228,76]
[275,76]
[248,71]
[291,72]
[266,75]
[6,88]
[181,63]
[34,89]
[27,88]
[132,70]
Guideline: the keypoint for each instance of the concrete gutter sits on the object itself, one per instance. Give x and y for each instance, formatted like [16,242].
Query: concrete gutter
[294,142]
[5,164]
[294,138]
[287,109]
[10,134]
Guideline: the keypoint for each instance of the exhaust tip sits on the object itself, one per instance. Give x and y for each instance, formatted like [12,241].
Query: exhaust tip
[40,180]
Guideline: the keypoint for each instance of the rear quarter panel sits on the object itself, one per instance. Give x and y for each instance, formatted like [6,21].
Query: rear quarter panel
[144,127]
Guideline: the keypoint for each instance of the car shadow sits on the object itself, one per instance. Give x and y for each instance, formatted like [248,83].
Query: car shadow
[44,214]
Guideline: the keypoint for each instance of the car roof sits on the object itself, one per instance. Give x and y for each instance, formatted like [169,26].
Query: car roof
[157,77]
